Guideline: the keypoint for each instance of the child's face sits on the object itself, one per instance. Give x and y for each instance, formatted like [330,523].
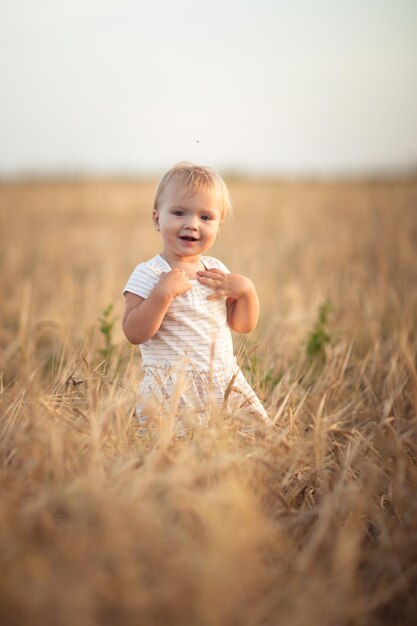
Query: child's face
[188,224]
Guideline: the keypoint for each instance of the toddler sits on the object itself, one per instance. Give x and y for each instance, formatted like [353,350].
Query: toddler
[181,304]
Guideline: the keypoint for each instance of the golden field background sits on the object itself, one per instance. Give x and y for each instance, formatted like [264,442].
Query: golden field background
[311,523]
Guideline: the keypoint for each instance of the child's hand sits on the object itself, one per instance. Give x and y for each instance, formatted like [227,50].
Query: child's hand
[224,285]
[174,283]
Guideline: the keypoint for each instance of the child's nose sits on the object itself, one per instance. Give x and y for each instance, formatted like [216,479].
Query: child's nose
[192,222]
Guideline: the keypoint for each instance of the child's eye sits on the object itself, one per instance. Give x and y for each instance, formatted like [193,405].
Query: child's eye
[206,218]
[179,213]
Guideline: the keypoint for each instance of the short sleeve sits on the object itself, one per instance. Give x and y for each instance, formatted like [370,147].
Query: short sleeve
[142,280]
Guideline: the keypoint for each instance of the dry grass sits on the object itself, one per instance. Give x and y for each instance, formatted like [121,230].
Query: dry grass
[313,523]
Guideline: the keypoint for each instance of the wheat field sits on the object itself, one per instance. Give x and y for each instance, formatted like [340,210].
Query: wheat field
[310,523]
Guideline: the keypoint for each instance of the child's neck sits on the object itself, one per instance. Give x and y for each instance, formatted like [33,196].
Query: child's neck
[190,265]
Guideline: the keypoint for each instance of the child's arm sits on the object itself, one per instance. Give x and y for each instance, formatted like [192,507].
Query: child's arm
[143,317]
[242,300]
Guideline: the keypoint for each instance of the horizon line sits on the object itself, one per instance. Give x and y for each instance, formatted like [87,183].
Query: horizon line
[22,175]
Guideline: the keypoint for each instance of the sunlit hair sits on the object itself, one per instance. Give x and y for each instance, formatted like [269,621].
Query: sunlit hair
[195,178]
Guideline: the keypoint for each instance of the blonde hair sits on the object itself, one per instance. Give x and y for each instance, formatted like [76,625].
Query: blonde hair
[195,178]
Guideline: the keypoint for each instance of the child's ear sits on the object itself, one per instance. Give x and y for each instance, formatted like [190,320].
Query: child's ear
[155,218]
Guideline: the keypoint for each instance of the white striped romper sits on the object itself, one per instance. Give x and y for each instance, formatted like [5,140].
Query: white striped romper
[192,349]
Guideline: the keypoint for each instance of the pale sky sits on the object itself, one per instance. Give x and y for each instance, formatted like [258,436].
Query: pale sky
[259,86]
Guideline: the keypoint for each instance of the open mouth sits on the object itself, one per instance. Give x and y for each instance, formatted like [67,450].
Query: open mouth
[188,238]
